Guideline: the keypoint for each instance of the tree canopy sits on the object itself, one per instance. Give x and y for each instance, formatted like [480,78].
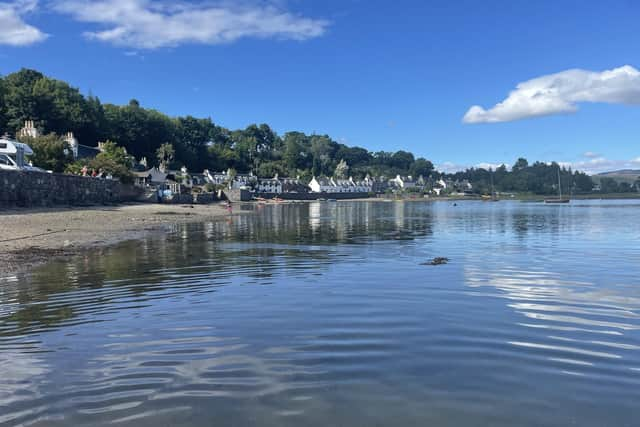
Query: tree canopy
[197,143]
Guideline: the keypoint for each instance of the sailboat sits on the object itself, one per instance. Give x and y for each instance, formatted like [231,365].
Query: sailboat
[559,199]
[493,197]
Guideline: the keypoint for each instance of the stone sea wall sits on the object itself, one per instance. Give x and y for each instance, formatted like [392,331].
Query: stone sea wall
[35,189]
[313,196]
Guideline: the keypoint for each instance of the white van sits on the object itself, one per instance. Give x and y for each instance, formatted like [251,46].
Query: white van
[13,156]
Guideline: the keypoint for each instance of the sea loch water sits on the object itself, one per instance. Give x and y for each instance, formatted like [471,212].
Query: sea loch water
[322,314]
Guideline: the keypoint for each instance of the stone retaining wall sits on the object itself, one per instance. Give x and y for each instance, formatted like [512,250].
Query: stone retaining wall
[313,196]
[36,189]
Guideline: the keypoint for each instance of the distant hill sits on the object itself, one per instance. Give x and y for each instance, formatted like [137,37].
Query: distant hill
[622,172]
[623,175]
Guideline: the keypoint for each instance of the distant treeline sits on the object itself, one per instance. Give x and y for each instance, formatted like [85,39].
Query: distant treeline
[539,178]
[198,143]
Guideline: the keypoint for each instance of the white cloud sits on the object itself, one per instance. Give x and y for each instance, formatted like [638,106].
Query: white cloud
[590,155]
[145,24]
[14,31]
[560,93]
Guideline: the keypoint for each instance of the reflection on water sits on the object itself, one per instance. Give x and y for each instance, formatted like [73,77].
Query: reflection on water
[321,314]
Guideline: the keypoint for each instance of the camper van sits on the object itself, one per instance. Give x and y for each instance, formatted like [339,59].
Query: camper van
[13,156]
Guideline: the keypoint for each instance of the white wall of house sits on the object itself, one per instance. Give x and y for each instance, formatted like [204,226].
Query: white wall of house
[270,186]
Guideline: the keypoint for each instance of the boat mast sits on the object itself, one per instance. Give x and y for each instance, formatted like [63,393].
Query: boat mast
[493,190]
[559,183]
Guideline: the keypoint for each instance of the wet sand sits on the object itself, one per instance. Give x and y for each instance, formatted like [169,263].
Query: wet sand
[32,237]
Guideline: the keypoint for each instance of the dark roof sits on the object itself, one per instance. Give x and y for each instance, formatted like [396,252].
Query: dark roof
[85,152]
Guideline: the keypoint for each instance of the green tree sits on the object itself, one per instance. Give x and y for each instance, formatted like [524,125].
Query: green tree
[3,108]
[296,151]
[193,137]
[402,161]
[609,185]
[270,169]
[520,164]
[52,104]
[50,152]
[165,155]
[342,170]
[422,167]
[111,151]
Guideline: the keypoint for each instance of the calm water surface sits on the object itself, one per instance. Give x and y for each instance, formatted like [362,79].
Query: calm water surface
[322,315]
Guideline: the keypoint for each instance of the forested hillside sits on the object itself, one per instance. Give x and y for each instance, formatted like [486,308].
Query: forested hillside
[197,143]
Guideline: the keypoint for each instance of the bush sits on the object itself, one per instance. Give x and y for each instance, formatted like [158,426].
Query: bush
[49,152]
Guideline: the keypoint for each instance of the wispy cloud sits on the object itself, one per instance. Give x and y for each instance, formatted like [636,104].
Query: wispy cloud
[14,31]
[145,24]
[561,93]
[590,155]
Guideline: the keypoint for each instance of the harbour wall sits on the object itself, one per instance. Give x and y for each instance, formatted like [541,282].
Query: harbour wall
[313,196]
[25,189]
[245,196]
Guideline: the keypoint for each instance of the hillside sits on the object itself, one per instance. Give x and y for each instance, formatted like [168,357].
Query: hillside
[624,175]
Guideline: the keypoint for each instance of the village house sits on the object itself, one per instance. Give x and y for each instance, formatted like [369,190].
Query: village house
[378,185]
[403,182]
[224,178]
[269,185]
[439,187]
[333,185]
[243,181]
[80,151]
[322,185]
[151,177]
[293,185]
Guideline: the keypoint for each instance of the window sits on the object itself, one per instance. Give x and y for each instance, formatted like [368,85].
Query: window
[6,160]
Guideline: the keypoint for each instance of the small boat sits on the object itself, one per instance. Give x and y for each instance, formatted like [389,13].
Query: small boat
[493,197]
[559,199]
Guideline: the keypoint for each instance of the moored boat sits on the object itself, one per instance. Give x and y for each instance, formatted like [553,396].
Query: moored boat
[559,199]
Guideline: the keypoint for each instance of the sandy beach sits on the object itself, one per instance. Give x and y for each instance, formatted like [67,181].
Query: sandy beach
[31,237]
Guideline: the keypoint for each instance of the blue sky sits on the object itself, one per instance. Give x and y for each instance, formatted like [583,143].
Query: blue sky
[378,74]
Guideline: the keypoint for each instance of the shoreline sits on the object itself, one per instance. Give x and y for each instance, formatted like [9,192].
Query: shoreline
[32,237]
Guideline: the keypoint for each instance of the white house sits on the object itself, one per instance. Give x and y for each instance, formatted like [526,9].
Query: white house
[322,185]
[333,185]
[403,182]
[242,181]
[223,178]
[270,185]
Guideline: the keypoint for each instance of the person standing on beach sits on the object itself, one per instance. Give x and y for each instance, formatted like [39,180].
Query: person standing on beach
[229,207]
